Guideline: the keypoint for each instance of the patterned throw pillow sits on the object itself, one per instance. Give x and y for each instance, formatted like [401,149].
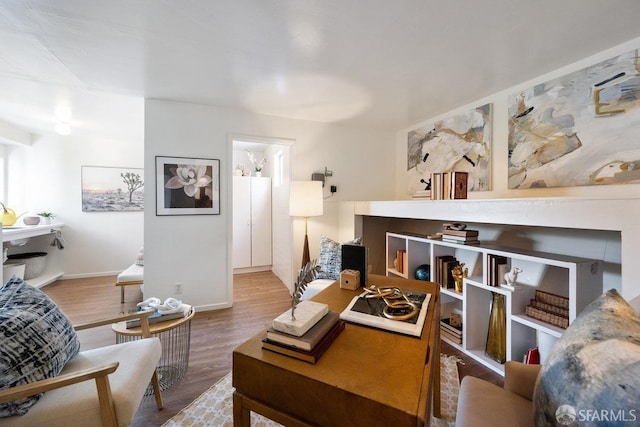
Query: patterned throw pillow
[331,257]
[593,370]
[36,340]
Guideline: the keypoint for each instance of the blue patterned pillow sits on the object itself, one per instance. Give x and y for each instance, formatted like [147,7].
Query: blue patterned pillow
[36,340]
[331,257]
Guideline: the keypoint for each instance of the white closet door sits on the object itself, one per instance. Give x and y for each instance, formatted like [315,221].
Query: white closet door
[261,221]
[241,222]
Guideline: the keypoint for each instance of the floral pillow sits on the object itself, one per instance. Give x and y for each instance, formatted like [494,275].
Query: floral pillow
[36,340]
[331,257]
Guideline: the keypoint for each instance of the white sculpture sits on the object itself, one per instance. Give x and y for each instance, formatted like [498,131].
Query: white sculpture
[511,276]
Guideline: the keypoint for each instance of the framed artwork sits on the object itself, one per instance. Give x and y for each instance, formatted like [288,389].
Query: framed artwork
[112,189]
[577,130]
[458,143]
[187,186]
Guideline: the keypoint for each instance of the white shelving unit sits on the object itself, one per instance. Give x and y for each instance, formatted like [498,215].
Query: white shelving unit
[36,238]
[579,279]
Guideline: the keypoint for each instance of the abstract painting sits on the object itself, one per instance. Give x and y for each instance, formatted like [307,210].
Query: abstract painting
[459,143]
[577,130]
[112,189]
[187,186]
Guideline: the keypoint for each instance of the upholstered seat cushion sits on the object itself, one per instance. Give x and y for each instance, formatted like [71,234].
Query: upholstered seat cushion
[36,340]
[137,359]
[133,273]
[483,404]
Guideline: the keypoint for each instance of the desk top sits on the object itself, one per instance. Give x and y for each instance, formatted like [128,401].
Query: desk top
[367,374]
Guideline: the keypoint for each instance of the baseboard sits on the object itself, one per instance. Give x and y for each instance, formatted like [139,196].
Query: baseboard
[88,275]
[251,269]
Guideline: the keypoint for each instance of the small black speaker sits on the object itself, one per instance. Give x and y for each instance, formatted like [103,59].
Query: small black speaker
[354,257]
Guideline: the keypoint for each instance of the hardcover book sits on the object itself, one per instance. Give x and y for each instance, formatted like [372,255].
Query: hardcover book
[311,338]
[370,312]
[307,356]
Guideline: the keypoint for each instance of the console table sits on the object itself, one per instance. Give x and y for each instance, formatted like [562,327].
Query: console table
[371,376]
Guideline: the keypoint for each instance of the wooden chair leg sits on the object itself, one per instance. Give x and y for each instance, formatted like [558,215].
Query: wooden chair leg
[155,381]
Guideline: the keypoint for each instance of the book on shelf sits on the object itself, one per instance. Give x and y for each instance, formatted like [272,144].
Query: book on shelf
[310,338]
[445,324]
[440,272]
[449,185]
[157,317]
[495,263]
[401,261]
[462,233]
[448,281]
[461,242]
[370,312]
[446,334]
[307,356]
[446,235]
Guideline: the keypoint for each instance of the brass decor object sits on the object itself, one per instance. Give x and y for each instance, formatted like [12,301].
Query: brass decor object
[305,276]
[497,334]
[458,275]
[398,305]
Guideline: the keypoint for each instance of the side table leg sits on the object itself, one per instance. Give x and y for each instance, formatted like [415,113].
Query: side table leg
[241,415]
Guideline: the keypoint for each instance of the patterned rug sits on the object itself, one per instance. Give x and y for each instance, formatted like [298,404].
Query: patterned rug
[214,407]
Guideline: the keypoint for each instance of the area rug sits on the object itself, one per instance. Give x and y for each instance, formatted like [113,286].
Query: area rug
[214,407]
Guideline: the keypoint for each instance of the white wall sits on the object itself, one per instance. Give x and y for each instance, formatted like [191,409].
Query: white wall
[194,250]
[500,142]
[47,176]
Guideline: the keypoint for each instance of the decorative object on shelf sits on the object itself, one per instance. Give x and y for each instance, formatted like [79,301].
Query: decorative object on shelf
[305,200]
[187,186]
[34,263]
[306,275]
[258,165]
[31,220]
[549,308]
[8,216]
[512,276]
[457,226]
[496,347]
[46,217]
[423,272]
[459,274]
[460,143]
[112,189]
[239,171]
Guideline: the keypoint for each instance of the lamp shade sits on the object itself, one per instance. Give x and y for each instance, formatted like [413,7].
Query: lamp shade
[305,198]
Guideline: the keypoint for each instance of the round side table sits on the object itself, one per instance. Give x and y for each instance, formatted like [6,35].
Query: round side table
[175,337]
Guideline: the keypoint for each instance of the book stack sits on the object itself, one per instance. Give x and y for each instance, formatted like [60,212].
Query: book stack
[444,266]
[311,345]
[549,308]
[157,317]
[453,332]
[401,262]
[461,237]
[448,185]
[498,267]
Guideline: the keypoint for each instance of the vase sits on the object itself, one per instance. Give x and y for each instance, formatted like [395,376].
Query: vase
[258,173]
[497,334]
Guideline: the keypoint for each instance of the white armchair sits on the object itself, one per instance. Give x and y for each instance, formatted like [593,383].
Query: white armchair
[102,386]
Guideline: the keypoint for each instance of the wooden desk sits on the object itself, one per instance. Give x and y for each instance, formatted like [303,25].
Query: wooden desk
[368,377]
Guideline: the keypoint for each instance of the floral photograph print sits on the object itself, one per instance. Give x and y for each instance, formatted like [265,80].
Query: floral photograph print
[187,186]
[579,129]
[461,143]
[112,189]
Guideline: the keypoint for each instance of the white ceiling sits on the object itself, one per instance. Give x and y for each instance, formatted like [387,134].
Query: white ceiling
[374,63]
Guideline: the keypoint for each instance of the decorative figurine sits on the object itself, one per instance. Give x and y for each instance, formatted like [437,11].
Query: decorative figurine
[458,274]
[512,276]
[305,276]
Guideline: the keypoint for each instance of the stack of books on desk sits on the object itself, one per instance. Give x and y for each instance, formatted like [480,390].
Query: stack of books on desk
[310,346]
[453,333]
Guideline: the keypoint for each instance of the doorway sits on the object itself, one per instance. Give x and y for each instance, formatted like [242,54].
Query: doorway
[260,212]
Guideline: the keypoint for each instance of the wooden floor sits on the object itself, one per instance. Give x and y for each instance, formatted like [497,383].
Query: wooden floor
[258,299]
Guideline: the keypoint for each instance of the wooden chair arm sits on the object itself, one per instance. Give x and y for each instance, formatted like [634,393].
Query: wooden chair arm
[37,387]
[142,315]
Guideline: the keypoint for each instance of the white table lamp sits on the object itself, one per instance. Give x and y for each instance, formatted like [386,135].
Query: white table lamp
[305,200]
